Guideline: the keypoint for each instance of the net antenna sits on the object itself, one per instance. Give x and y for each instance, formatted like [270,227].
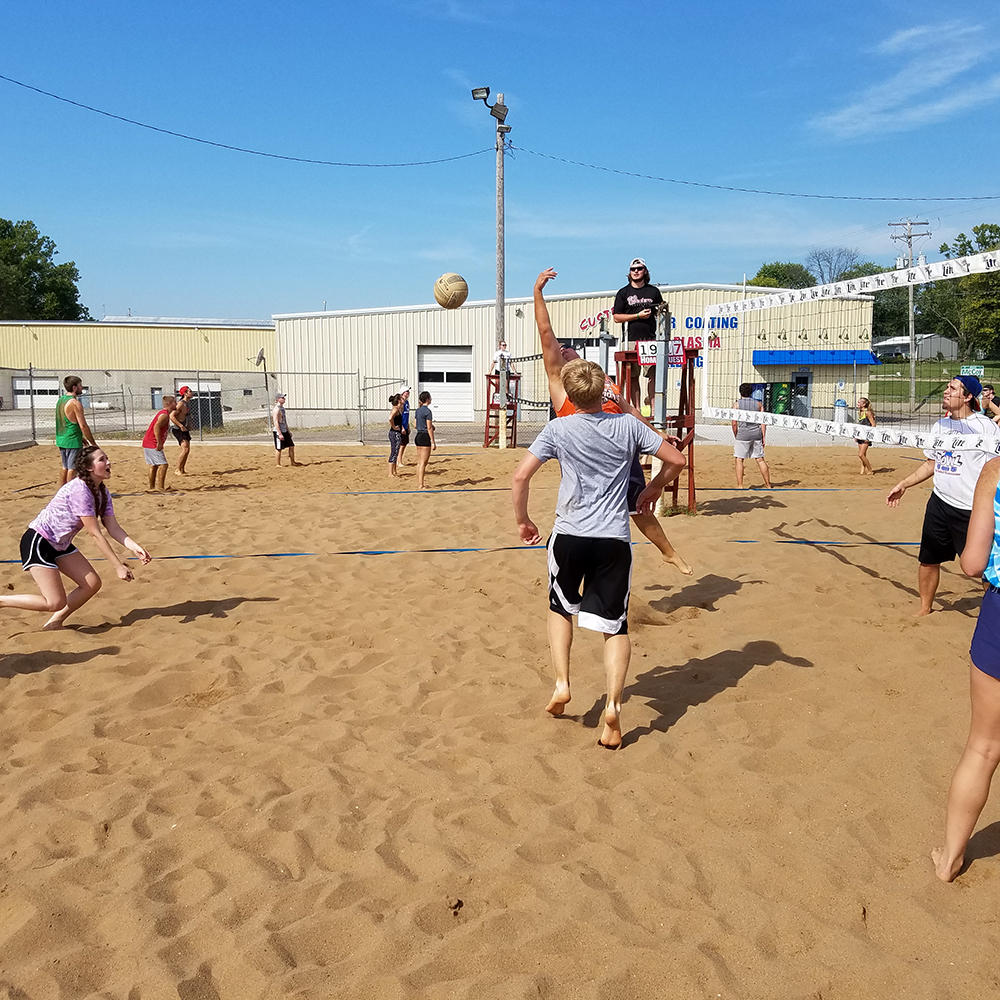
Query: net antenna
[258,361]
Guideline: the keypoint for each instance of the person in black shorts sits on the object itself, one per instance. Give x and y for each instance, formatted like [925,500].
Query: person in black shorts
[424,440]
[179,426]
[946,519]
[590,550]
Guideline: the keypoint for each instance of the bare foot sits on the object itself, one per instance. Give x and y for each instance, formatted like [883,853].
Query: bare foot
[560,699]
[676,560]
[56,621]
[923,612]
[298,463]
[611,737]
[944,871]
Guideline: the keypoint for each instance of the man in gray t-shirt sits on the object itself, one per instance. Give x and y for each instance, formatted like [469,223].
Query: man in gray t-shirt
[590,550]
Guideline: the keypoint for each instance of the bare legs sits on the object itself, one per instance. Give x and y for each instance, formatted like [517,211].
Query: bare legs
[764,471]
[928,578]
[53,596]
[158,477]
[650,526]
[291,455]
[970,787]
[423,457]
[866,466]
[182,457]
[560,642]
[617,654]
[65,475]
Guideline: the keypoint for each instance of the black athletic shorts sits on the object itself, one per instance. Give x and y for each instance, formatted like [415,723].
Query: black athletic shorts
[422,440]
[280,444]
[591,578]
[636,483]
[945,528]
[180,435]
[39,551]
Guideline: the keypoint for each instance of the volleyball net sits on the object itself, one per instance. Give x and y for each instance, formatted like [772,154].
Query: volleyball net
[809,358]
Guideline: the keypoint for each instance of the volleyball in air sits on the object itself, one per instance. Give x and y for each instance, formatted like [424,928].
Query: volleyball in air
[450,291]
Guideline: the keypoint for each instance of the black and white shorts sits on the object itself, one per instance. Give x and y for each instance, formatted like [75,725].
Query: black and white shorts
[591,578]
[943,535]
[39,551]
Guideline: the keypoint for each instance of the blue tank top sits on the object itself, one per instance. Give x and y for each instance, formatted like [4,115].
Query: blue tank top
[992,571]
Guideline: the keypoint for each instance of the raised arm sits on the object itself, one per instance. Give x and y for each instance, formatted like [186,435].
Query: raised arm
[551,351]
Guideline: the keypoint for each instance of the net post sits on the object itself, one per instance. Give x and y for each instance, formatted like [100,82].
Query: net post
[31,390]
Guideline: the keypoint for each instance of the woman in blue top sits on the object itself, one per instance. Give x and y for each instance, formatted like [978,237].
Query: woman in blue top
[970,786]
[424,440]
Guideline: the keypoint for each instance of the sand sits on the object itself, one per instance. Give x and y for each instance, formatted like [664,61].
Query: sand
[329,773]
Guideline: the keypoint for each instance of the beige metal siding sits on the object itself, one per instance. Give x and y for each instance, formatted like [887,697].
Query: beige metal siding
[64,347]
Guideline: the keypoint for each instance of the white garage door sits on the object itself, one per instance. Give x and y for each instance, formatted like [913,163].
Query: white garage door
[446,373]
[46,393]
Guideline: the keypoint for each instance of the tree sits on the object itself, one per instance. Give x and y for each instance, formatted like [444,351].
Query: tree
[833,263]
[32,286]
[967,308]
[779,275]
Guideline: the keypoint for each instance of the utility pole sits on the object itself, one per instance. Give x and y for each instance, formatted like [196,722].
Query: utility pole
[499,111]
[902,262]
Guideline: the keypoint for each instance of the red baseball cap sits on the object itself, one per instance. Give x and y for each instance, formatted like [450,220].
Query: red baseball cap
[183,389]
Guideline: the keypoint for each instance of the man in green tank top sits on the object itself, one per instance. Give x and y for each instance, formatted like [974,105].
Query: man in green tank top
[71,427]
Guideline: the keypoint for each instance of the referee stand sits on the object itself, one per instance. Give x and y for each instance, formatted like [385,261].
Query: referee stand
[681,425]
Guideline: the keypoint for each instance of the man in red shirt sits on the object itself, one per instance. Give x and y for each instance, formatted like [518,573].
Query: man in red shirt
[152,445]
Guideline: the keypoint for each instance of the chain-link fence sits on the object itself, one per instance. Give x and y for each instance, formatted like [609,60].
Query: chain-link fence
[337,407]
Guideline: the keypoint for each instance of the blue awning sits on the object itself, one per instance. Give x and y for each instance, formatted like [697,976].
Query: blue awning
[814,358]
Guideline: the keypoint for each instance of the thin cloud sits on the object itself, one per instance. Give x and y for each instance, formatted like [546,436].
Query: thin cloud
[937,80]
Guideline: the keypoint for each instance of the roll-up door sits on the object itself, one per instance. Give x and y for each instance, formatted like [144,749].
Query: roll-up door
[46,391]
[446,373]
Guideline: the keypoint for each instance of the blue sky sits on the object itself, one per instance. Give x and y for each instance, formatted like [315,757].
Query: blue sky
[883,98]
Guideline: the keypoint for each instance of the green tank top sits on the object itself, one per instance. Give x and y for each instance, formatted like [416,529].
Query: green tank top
[68,434]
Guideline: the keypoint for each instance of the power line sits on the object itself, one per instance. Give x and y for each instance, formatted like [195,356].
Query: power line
[237,149]
[743,190]
[479,152]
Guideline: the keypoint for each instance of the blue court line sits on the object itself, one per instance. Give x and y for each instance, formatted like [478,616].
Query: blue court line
[803,541]
[379,493]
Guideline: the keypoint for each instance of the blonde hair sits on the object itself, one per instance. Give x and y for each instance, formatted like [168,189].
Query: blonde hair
[584,383]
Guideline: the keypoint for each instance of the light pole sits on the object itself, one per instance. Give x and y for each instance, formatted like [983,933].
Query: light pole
[499,111]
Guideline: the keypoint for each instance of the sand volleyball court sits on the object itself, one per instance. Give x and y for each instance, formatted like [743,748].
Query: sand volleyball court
[282,765]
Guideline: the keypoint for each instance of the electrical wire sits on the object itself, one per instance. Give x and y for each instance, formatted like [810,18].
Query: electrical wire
[743,190]
[239,149]
[479,152]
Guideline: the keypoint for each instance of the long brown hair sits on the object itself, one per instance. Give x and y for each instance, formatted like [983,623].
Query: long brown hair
[83,466]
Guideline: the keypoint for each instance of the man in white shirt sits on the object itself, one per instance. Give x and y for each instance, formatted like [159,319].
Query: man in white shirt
[502,353]
[946,519]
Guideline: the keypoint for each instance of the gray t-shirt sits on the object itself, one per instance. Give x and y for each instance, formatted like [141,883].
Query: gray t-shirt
[746,431]
[594,451]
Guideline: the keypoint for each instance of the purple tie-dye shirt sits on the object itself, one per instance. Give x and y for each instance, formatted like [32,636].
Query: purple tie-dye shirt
[59,522]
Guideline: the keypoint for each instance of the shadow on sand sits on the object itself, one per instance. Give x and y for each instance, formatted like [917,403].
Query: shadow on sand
[187,611]
[671,691]
[32,663]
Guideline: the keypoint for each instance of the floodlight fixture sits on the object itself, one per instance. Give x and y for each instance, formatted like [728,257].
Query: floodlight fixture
[503,129]
[499,112]
[480,93]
